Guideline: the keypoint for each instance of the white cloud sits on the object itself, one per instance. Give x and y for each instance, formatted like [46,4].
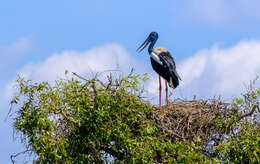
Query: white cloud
[192,68]
[107,57]
[12,53]
[19,47]
[221,12]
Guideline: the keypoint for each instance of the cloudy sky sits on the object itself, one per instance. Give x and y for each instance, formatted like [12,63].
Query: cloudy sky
[216,45]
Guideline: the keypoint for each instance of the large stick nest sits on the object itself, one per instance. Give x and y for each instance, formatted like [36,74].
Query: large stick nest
[190,120]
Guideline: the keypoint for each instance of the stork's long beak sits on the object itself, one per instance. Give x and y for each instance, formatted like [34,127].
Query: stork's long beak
[145,43]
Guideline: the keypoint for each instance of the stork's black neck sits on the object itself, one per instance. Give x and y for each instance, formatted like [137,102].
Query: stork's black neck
[150,48]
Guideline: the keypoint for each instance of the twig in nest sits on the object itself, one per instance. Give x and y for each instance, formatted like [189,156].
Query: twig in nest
[191,119]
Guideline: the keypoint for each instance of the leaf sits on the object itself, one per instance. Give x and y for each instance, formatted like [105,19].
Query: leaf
[66,72]
[239,101]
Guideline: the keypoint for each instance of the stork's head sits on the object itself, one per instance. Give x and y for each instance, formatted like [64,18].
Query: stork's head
[152,38]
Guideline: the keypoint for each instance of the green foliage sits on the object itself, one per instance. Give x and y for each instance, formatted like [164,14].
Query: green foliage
[88,120]
[243,143]
[243,147]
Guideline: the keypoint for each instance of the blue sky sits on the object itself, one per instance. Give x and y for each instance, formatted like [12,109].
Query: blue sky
[216,44]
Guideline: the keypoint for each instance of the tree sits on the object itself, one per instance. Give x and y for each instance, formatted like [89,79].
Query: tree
[82,120]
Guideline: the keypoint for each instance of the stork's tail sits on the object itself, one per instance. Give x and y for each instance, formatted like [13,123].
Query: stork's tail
[174,81]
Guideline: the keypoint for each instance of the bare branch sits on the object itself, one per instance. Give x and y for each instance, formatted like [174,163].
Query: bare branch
[256,106]
[250,113]
[15,155]
[79,76]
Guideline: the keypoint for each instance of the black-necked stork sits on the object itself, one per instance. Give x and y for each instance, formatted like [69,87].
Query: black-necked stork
[163,63]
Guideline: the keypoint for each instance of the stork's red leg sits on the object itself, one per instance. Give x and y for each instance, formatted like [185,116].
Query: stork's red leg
[166,91]
[160,90]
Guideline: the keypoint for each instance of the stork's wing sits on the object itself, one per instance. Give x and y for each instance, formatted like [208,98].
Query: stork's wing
[168,62]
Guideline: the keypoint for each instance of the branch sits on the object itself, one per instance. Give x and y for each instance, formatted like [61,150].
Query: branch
[74,73]
[69,119]
[79,76]
[250,113]
[245,115]
[15,155]
[116,154]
